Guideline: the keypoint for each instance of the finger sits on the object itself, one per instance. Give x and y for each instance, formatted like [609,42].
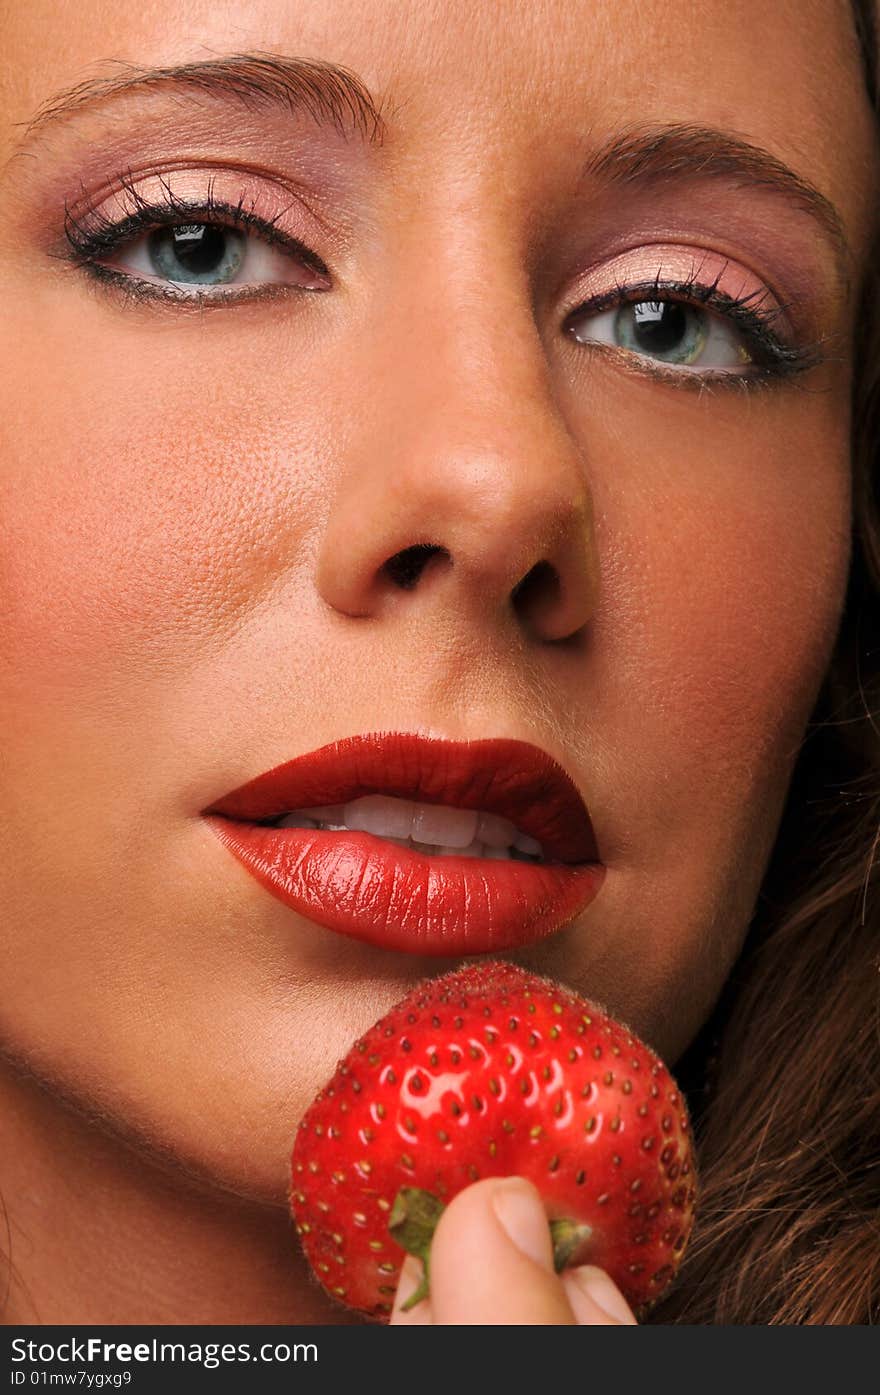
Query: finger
[595,1298]
[492,1259]
[410,1278]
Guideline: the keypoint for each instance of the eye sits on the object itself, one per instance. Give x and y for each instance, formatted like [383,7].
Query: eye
[199,255]
[193,254]
[671,332]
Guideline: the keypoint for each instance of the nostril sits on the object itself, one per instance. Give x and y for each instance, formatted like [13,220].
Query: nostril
[536,594]
[406,567]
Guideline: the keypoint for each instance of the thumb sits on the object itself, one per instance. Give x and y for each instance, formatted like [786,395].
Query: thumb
[492,1259]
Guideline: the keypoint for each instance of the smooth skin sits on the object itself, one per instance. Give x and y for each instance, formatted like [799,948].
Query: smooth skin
[196,508]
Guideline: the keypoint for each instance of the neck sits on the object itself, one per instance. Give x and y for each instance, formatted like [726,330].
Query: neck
[96,1234]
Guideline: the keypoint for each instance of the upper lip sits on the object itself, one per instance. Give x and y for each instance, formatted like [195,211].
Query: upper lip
[500,776]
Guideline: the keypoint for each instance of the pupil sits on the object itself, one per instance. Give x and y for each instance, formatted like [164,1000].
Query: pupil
[197,254]
[659,326]
[198,246]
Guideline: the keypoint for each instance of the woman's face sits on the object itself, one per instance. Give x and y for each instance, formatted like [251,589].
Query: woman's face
[201,493]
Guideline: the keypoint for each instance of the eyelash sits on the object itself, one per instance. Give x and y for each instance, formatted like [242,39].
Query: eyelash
[775,360]
[97,236]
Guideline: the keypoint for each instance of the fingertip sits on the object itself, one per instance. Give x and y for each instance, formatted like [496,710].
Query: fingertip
[491,1259]
[596,1299]
[520,1212]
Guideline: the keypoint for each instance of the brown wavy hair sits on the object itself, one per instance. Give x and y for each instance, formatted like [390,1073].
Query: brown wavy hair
[785,1078]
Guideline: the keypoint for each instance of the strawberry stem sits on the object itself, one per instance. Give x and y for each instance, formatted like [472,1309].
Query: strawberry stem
[412,1223]
[414,1218]
[567,1237]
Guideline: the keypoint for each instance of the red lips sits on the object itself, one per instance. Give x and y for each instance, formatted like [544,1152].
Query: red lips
[361,885]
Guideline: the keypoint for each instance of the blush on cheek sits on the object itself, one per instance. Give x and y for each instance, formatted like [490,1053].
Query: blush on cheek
[146,526]
[754,639]
[727,565]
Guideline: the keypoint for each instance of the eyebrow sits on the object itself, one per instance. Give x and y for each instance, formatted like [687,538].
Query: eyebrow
[680,151]
[327,91]
[330,92]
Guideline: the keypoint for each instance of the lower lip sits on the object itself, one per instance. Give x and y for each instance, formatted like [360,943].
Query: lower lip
[359,885]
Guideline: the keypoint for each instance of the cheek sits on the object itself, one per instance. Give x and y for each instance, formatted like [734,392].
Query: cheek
[742,631]
[725,544]
[153,502]
[726,548]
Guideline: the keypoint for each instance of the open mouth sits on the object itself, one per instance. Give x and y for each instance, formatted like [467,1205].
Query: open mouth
[437,830]
[419,845]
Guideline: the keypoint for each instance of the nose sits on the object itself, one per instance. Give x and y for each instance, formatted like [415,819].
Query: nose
[462,483]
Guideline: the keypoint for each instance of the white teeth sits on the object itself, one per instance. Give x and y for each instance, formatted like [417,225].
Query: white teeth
[436,823]
[434,829]
[474,849]
[376,813]
[495,831]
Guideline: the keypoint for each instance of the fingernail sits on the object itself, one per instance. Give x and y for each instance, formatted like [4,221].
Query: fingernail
[521,1214]
[604,1292]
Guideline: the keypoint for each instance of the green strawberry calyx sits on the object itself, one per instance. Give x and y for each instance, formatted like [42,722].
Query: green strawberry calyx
[413,1220]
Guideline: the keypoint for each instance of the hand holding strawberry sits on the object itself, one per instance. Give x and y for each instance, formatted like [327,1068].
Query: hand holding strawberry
[493,1072]
[492,1264]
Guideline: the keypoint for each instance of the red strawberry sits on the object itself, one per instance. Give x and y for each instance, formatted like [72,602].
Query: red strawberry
[491,1071]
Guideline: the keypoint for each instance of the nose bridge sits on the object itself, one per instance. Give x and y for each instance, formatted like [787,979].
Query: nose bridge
[465,451]
[479,431]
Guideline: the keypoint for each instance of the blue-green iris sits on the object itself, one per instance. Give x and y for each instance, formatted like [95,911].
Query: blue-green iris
[665,330]
[200,253]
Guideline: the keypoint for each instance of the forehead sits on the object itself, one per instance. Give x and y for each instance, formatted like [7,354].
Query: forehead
[517,81]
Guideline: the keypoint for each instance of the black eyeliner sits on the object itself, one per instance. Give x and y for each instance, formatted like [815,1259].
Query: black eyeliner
[92,235]
[772,356]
